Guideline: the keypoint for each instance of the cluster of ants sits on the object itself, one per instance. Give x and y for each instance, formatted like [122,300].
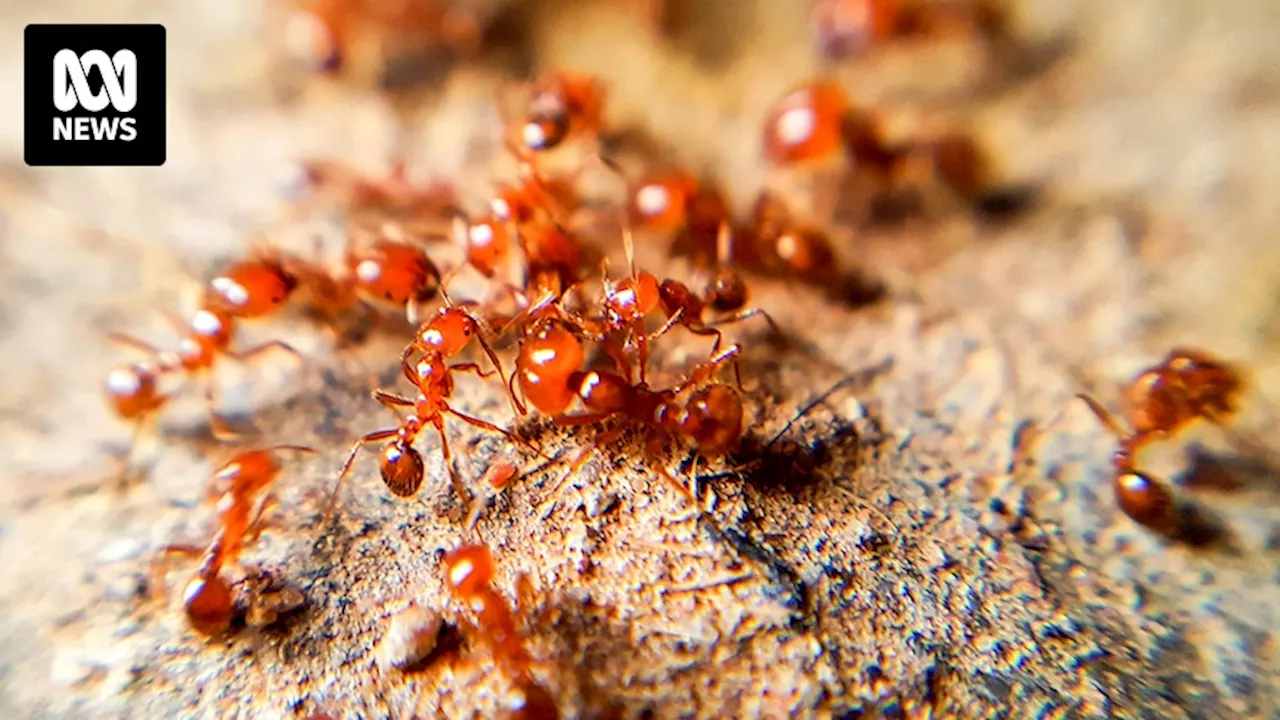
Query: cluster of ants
[574,348]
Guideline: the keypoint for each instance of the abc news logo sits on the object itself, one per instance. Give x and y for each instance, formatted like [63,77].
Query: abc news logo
[94,95]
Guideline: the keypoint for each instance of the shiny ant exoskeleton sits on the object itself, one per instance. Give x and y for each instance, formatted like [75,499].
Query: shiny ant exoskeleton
[562,104]
[402,467]
[210,600]
[1188,385]
[469,572]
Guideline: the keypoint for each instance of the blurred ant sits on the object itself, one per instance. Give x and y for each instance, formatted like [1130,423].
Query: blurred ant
[562,104]
[469,572]
[1188,385]
[210,601]
[788,248]
[416,210]
[401,466]
[806,125]
[327,34]
[133,390]
[845,28]
[394,273]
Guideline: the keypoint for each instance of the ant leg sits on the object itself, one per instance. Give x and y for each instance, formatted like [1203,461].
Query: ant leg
[133,342]
[746,314]
[471,367]
[671,322]
[254,531]
[1105,416]
[701,329]
[706,370]
[263,349]
[486,425]
[493,358]
[374,436]
[392,402]
[458,487]
[217,425]
[160,567]
[581,461]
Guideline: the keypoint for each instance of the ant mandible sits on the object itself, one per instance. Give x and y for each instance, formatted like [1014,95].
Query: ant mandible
[209,600]
[469,574]
[1188,385]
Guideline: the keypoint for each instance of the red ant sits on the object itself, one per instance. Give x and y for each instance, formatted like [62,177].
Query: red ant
[784,246]
[210,601]
[444,336]
[725,293]
[393,272]
[563,104]
[1163,400]
[469,572]
[133,391]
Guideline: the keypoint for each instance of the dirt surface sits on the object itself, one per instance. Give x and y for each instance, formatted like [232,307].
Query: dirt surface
[934,534]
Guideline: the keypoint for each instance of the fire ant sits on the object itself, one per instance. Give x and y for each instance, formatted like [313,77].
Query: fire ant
[469,572]
[726,292]
[395,273]
[133,390]
[563,104]
[415,209]
[210,601]
[444,336]
[1160,402]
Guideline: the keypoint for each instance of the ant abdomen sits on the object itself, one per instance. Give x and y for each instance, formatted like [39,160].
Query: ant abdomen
[207,602]
[1146,500]
[402,468]
[602,392]
[547,359]
[133,391]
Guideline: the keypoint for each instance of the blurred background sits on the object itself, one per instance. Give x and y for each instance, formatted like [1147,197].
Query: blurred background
[1131,155]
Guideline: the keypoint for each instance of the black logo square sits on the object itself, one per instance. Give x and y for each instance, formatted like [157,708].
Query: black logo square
[94,95]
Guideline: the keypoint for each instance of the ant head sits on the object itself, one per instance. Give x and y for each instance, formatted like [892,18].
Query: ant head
[449,331]
[402,468]
[675,295]
[207,601]
[715,419]
[633,298]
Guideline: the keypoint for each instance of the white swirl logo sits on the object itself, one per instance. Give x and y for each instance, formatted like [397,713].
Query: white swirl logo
[119,80]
